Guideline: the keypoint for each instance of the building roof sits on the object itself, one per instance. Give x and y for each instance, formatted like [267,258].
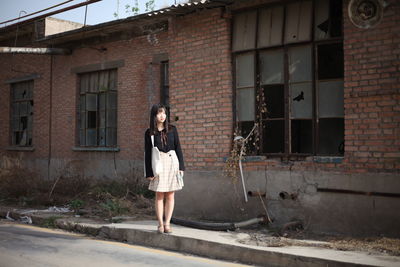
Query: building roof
[142,24]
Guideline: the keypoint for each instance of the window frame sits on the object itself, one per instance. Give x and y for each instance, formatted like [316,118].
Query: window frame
[314,43]
[13,85]
[98,146]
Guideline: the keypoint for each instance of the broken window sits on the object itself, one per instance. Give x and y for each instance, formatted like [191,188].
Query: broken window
[21,115]
[293,66]
[98,109]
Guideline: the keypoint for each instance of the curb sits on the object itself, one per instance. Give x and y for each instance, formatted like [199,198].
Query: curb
[199,247]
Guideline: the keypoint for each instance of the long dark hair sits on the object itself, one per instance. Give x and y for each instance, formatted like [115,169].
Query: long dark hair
[155,109]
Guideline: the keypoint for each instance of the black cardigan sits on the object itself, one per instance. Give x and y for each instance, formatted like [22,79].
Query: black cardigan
[172,144]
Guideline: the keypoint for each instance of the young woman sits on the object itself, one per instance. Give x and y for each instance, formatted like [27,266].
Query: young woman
[166,183]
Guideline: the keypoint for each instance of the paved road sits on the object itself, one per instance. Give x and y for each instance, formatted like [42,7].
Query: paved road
[24,245]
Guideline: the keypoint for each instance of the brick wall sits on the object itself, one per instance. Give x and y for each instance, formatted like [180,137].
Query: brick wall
[372,93]
[201,86]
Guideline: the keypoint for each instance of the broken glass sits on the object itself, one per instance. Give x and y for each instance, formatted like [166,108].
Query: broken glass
[274,136]
[301,100]
[91,119]
[330,61]
[274,98]
[331,136]
[301,136]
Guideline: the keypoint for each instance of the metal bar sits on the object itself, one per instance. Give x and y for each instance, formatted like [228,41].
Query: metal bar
[31,50]
[356,192]
[28,15]
[48,14]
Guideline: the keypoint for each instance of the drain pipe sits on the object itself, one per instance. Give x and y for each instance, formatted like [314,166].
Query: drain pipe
[219,226]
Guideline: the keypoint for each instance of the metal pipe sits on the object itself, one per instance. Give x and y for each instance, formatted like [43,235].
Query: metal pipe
[48,14]
[28,15]
[355,192]
[34,50]
[218,226]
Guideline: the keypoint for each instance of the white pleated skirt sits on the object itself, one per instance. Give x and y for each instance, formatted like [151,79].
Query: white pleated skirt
[167,180]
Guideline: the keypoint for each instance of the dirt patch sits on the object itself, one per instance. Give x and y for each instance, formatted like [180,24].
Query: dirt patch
[372,245]
[85,196]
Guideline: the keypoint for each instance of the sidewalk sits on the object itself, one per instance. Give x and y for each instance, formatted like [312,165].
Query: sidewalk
[212,244]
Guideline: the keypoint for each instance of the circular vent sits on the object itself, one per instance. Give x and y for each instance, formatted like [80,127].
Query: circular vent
[366,13]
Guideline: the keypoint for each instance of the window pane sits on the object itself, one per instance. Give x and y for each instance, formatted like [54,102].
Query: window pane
[112,80]
[111,118]
[103,81]
[300,64]
[30,107]
[330,99]
[82,103]
[298,22]
[82,120]
[331,137]
[245,104]
[301,100]
[91,102]
[102,101]
[111,100]
[92,119]
[244,31]
[271,66]
[270,27]
[336,17]
[274,98]
[15,109]
[18,91]
[15,125]
[23,109]
[330,61]
[30,90]
[94,82]
[244,70]
[274,136]
[301,136]
[102,137]
[102,120]
[82,139]
[91,137]
[321,29]
[111,138]
[84,83]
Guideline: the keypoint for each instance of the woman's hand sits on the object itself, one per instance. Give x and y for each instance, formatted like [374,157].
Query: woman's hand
[181,172]
[151,178]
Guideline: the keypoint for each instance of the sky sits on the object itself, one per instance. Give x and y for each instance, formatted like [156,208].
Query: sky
[96,13]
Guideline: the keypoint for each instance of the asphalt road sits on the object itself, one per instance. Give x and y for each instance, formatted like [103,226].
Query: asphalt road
[25,245]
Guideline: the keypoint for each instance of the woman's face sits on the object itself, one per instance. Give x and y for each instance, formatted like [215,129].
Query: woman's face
[161,116]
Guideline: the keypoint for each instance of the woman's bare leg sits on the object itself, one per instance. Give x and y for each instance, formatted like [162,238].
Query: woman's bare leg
[160,207]
[169,206]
